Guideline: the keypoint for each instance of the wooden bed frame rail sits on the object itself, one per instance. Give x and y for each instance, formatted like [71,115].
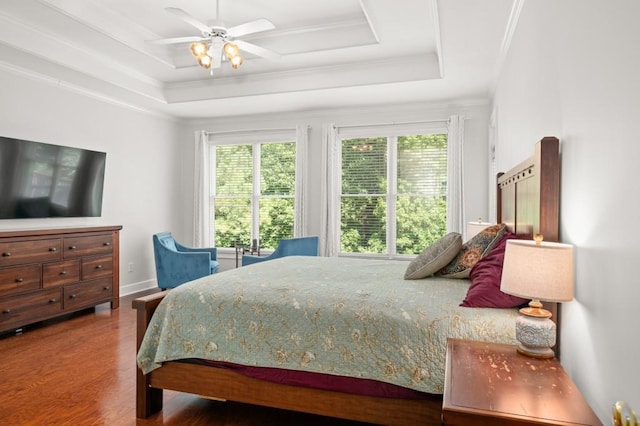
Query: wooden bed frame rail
[528,202]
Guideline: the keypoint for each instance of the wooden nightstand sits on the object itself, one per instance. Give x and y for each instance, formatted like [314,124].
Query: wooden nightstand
[492,384]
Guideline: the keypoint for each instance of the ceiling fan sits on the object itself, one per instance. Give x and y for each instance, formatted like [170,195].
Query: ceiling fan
[218,42]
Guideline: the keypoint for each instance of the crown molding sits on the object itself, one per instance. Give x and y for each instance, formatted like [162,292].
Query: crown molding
[471,108]
[435,22]
[510,29]
[83,91]
[415,68]
[110,24]
[41,45]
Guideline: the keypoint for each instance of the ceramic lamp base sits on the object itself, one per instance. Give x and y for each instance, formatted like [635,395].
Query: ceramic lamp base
[535,334]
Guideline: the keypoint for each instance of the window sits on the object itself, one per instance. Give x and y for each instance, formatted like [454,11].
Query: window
[393,191]
[253,191]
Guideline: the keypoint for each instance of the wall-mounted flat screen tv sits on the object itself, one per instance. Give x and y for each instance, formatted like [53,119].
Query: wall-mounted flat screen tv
[39,180]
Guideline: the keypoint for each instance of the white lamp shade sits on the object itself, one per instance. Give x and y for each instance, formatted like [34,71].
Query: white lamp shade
[474,228]
[538,271]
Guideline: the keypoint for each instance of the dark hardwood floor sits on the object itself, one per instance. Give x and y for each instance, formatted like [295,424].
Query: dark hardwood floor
[81,371]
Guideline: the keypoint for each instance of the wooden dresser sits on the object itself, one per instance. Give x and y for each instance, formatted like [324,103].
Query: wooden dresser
[51,272]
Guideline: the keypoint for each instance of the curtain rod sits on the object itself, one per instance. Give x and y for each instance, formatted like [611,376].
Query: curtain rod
[252,130]
[393,123]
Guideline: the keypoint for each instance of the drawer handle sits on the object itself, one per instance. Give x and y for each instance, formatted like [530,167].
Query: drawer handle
[63,272]
[98,266]
[53,249]
[107,244]
[73,296]
[6,311]
[72,247]
[6,254]
[106,287]
[52,300]
[19,280]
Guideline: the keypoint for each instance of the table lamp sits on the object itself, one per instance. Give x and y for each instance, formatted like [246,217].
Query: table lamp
[474,228]
[540,271]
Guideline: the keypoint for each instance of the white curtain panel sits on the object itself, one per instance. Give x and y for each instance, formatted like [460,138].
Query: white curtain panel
[302,142]
[455,175]
[330,191]
[201,195]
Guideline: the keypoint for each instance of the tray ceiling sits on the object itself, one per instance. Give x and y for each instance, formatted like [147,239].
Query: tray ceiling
[334,53]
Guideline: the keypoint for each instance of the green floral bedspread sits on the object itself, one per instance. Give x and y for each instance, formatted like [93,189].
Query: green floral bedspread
[340,316]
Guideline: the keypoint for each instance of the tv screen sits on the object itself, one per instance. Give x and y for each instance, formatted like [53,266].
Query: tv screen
[39,180]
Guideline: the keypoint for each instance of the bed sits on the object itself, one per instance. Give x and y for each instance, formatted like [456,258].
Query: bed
[408,363]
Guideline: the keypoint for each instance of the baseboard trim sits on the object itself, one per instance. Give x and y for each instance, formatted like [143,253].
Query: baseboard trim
[137,287]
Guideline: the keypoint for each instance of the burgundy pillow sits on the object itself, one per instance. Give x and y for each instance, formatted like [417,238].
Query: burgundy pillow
[485,277]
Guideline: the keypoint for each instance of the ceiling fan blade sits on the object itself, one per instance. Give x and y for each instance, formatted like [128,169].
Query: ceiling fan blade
[257,50]
[177,40]
[250,28]
[189,19]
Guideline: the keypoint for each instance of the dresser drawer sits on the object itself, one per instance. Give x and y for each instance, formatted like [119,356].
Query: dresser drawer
[59,273]
[96,267]
[19,279]
[32,251]
[89,293]
[20,310]
[88,246]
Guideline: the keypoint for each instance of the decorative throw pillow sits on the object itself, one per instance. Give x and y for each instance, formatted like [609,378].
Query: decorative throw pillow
[472,251]
[434,257]
[485,276]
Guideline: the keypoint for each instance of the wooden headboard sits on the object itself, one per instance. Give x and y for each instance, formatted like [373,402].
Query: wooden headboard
[529,194]
[528,198]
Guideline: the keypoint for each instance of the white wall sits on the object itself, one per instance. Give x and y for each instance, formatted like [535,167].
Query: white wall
[475,148]
[149,173]
[572,72]
[142,177]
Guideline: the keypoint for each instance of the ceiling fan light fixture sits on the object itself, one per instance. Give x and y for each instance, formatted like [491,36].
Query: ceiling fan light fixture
[236,61]
[198,49]
[215,45]
[231,50]
[205,61]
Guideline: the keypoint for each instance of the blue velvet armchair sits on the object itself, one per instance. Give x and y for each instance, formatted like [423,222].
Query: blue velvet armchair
[303,246]
[177,264]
